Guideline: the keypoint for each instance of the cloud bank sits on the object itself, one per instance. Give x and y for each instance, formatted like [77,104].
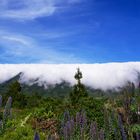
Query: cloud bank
[104,76]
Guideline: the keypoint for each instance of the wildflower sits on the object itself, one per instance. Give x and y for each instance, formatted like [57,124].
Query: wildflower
[65,132]
[0,100]
[78,116]
[101,135]
[7,110]
[83,119]
[123,134]
[66,116]
[36,136]
[93,131]
[137,137]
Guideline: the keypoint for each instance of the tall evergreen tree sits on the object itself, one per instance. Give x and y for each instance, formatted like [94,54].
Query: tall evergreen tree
[78,89]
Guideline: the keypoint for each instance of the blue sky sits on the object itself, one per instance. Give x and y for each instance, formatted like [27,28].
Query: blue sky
[69,31]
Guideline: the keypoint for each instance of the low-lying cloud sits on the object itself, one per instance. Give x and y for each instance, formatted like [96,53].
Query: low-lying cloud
[104,76]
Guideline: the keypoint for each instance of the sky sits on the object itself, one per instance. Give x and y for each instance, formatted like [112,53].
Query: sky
[69,31]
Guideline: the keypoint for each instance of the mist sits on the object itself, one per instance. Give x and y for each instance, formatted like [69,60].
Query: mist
[104,76]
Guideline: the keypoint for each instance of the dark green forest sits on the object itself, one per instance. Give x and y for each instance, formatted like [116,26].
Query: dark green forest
[69,113]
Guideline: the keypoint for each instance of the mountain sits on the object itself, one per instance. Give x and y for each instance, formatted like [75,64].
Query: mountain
[4,86]
[58,90]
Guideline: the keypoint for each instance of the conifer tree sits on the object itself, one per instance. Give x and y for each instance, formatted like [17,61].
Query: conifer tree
[78,89]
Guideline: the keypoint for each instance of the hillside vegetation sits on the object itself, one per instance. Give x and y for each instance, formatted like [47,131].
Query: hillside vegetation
[77,116]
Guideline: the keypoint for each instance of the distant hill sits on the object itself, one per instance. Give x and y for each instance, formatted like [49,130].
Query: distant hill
[57,90]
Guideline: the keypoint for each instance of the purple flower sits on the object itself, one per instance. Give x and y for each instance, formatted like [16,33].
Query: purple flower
[72,122]
[83,122]
[93,131]
[101,135]
[65,132]
[82,133]
[7,110]
[0,100]
[137,137]
[68,129]
[78,119]
[120,123]
[65,125]
[83,119]
[36,136]
[66,116]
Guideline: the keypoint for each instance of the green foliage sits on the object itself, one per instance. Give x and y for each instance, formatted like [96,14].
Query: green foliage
[31,110]
[20,127]
[136,128]
[93,108]
[43,113]
[20,133]
[14,90]
[79,90]
[15,87]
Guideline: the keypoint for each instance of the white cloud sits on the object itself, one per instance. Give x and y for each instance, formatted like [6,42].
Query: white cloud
[16,39]
[30,9]
[104,76]
[15,44]
[27,9]
[26,48]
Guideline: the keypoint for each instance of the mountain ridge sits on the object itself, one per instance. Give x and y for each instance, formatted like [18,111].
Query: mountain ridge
[52,90]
